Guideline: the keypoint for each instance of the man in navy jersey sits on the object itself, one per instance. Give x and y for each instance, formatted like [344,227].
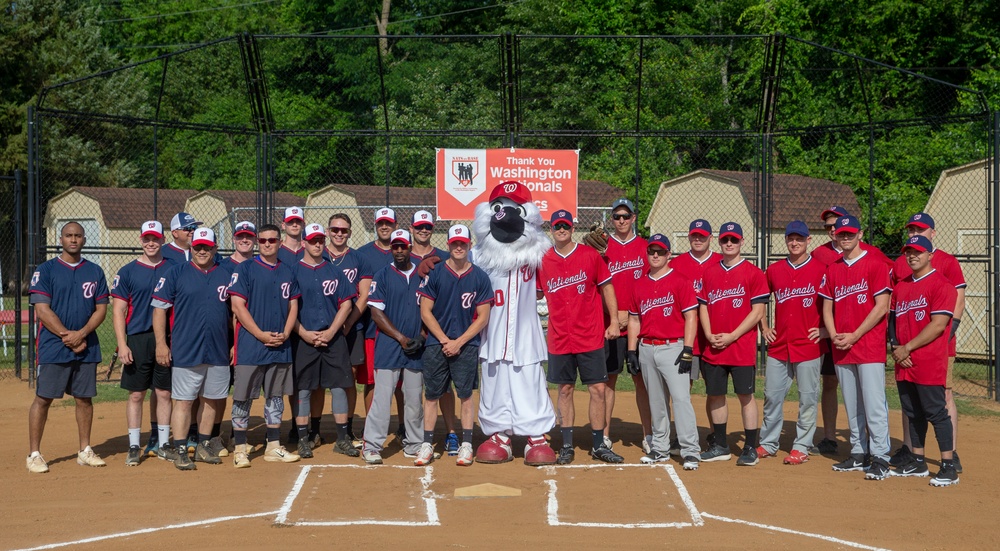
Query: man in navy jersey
[70,297]
[264,298]
[198,349]
[182,227]
[455,306]
[398,349]
[132,315]
[321,358]
[291,245]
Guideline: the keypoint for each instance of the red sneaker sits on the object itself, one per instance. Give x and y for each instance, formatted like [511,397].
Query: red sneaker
[762,453]
[796,458]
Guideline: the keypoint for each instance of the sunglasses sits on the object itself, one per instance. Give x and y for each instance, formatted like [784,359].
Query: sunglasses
[560,226]
[267,240]
[654,251]
[188,228]
[728,239]
[202,248]
[399,246]
[622,216]
[423,227]
[339,230]
[316,241]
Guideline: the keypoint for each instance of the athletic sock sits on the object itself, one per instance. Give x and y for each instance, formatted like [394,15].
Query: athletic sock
[181,445]
[154,430]
[314,425]
[567,437]
[350,425]
[429,436]
[720,434]
[240,437]
[216,429]
[918,458]
[598,436]
[467,435]
[163,434]
[203,437]
[751,437]
[272,434]
[303,431]
[133,437]
[343,433]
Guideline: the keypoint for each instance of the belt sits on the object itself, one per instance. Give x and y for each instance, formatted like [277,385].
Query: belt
[659,342]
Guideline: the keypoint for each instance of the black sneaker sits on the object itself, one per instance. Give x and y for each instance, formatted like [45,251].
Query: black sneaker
[716,453]
[654,457]
[305,449]
[827,446]
[878,471]
[134,456]
[167,452]
[605,454]
[957,462]
[901,457]
[748,458]
[947,476]
[690,463]
[401,433]
[856,462]
[344,446]
[675,448]
[204,453]
[912,467]
[183,461]
[566,455]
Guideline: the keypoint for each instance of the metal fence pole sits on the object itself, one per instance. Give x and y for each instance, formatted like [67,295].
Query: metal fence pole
[995,260]
[33,178]
[18,272]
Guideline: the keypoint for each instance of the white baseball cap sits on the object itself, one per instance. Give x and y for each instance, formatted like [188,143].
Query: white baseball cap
[203,236]
[423,217]
[385,214]
[459,232]
[400,235]
[293,213]
[314,230]
[152,227]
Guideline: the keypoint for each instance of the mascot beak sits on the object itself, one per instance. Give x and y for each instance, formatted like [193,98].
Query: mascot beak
[506,225]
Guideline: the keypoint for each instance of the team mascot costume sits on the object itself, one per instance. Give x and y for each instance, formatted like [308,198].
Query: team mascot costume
[513,395]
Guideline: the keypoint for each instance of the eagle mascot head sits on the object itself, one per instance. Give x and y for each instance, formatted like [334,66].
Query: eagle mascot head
[508,230]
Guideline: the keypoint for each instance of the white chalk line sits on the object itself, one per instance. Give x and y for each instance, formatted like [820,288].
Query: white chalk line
[795,532]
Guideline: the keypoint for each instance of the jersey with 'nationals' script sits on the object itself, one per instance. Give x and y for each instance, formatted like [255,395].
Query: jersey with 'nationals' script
[324,288]
[268,291]
[694,269]
[852,286]
[73,293]
[571,285]
[729,293]
[947,265]
[828,253]
[797,309]
[660,304]
[199,324]
[134,284]
[627,264]
[395,294]
[456,297]
[914,301]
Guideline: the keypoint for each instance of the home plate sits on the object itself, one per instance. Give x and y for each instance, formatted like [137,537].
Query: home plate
[487,489]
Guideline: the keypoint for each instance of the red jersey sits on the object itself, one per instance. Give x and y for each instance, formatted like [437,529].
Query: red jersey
[914,301]
[571,286]
[828,253]
[853,286]
[660,304]
[947,265]
[694,269]
[729,293]
[627,264]
[797,309]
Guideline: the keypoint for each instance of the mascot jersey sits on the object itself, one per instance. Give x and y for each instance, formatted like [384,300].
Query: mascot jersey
[514,333]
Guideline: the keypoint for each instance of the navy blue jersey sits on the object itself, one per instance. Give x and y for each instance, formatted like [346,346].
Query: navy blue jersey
[456,298]
[324,288]
[290,257]
[229,265]
[199,324]
[134,284]
[267,290]
[397,296]
[416,258]
[373,259]
[73,293]
[351,265]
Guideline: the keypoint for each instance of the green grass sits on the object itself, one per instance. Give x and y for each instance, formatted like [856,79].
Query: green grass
[106,392]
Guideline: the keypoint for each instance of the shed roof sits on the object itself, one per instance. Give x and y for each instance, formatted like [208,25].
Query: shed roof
[130,207]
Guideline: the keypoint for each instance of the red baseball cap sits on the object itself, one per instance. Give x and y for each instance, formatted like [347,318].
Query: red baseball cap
[515,191]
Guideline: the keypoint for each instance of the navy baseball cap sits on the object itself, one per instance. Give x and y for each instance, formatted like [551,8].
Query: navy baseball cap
[798,227]
[921,220]
[730,228]
[623,202]
[848,224]
[245,227]
[834,210]
[700,227]
[562,215]
[659,239]
[183,220]
[919,243]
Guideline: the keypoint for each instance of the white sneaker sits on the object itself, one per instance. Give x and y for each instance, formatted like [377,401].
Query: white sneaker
[277,453]
[36,463]
[88,458]
[371,458]
[607,442]
[425,456]
[464,455]
[647,445]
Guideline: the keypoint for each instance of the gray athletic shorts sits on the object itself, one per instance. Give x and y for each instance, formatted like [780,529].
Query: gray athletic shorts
[77,379]
[274,379]
[207,381]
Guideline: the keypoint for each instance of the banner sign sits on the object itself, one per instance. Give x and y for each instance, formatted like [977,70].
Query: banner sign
[465,178]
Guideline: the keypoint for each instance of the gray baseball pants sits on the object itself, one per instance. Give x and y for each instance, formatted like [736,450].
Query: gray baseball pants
[777,382]
[659,371]
[377,423]
[863,387]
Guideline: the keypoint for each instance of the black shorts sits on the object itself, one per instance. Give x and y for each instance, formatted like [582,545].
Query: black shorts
[356,347]
[325,367]
[441,370]
[826,365]
[77,379]
[591,366]
[614,354]
[717,378]
[144,373]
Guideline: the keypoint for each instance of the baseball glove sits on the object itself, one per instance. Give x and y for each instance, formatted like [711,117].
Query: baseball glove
[413,346]
[597,238]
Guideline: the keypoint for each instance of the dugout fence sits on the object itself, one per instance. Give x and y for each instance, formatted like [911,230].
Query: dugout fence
[757,130]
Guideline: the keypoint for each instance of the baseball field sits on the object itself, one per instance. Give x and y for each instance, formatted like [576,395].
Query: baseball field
[334,501]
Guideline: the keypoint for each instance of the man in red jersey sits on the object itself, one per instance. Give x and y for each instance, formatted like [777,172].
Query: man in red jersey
[574,279]
[855,302]
[626,258]
[733,300]
[794,344]
[922,304]
[946,264]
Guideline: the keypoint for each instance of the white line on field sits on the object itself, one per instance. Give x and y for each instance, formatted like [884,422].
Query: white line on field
[795,532]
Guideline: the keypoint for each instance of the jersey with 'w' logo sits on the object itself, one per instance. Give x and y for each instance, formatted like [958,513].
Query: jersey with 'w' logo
[456,297]
[627,264]
[729,292]
[576,309]
[268,290]
[324,288]
[200,320]
[914,301]
[73,293]
[852,285]
[797,309]
[660,304]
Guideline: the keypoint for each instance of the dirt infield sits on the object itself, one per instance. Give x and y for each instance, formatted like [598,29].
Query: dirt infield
[333,501]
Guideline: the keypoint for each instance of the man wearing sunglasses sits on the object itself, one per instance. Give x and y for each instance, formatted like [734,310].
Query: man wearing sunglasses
[733,300]
[574,280]
[182,227]
[626,258]
[855,304]
[264,297]
[291,250]
[663,319]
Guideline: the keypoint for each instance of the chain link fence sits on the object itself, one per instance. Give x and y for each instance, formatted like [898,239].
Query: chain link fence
[759,130]
[13,305]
